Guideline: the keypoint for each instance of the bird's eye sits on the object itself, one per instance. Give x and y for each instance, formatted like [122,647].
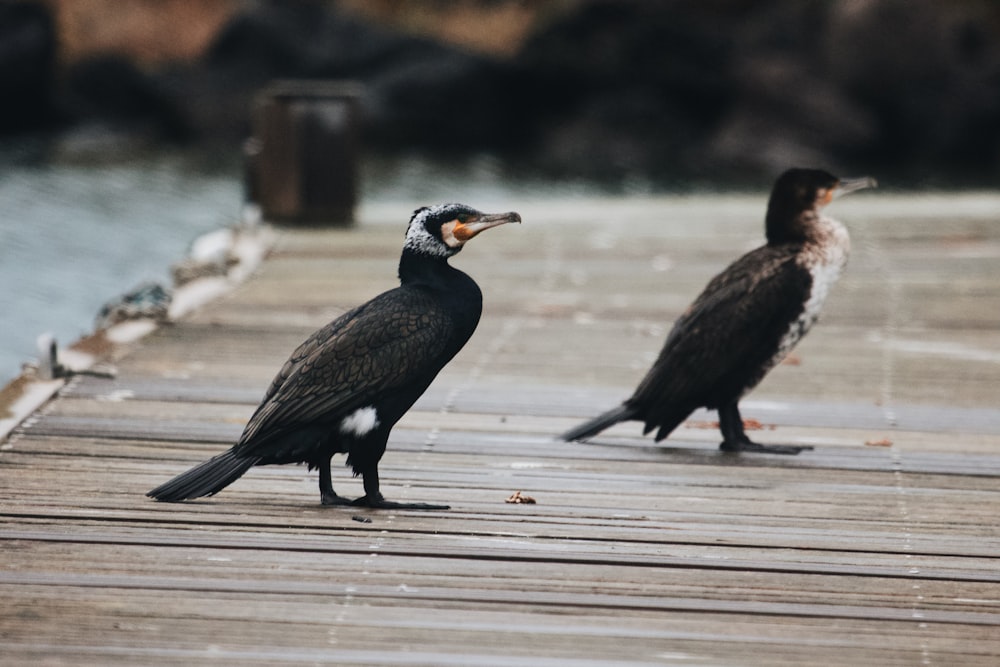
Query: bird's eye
[463,218]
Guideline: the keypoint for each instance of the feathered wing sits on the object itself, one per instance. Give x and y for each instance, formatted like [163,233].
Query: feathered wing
[382,345]
[714,352]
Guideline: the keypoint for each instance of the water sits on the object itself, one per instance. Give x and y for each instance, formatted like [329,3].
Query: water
[74,236]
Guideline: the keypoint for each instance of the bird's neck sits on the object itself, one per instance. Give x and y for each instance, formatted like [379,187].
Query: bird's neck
[821,241]
[826,231]
[454,290]
[807,227]
[422,269]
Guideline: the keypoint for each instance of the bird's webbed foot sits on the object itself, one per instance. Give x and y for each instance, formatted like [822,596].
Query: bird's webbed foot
[327,496]
[745,444]
[735,439]
[380,503]
[373,496]
[332,499]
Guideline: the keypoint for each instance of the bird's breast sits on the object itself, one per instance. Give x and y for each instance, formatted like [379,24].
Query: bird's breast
[824,260]
[824,263]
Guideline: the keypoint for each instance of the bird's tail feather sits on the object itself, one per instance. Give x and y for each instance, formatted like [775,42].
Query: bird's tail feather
[205,479]
[588,429]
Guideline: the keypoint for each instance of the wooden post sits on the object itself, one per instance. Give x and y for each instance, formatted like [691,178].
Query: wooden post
[303,157]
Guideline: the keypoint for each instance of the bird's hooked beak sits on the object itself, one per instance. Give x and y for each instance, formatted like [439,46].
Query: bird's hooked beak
[456,232]
[847,185]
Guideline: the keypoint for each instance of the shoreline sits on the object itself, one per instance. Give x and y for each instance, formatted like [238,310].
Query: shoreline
[29,391]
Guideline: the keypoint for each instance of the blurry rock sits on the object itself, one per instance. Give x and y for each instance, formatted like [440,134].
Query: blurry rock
[620,86]
[675,48]
[268,41]
[622,131]
[190,269]
[110,91]
[211,254]
[730,88]
[272,39]
[441,100]
[417,92]
[787,113]
[27,57]
[929,72]
[149,300]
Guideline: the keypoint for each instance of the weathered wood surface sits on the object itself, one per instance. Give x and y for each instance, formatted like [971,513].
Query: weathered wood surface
[635,553]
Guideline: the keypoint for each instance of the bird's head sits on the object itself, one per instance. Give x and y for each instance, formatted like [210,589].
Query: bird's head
[798,192]
[442,230]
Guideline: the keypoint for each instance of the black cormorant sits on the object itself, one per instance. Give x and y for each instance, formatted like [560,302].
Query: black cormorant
[747,319]
[345,387]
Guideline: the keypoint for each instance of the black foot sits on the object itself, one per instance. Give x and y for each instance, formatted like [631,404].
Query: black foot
[748,445]
[381,503]
[331,499]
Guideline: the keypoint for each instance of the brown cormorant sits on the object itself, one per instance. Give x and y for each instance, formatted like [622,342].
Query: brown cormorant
[747,319]
[345,387]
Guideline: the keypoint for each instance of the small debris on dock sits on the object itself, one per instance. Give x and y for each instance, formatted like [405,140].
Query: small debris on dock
[520,499]
[883,442]
[361,519]
[792,360]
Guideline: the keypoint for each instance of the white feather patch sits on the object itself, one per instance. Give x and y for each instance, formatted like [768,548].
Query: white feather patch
[419,240]
[826,261]
[360,423]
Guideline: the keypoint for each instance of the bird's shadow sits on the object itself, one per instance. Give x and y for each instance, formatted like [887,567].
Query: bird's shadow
[698,453]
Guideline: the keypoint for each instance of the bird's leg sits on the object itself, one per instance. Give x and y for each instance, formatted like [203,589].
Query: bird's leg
[734,438]
[373,497]
[327,496]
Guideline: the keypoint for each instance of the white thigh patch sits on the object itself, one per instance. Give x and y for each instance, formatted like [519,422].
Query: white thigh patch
[359,423]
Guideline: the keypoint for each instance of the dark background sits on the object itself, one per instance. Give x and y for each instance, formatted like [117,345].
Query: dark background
[673,91]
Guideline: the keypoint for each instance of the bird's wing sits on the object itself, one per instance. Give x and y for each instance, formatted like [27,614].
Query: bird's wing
[377,347]
[731,330]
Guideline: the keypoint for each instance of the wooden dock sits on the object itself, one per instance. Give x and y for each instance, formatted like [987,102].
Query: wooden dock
[880,547]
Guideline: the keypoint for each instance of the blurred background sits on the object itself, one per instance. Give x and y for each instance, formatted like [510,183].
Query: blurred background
[673,89]
[122,121]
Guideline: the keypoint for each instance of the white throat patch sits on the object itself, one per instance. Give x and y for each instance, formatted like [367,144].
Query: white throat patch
[360,423]
[419,240]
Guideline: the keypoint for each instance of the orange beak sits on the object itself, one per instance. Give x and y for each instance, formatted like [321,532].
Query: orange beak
[456,233]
